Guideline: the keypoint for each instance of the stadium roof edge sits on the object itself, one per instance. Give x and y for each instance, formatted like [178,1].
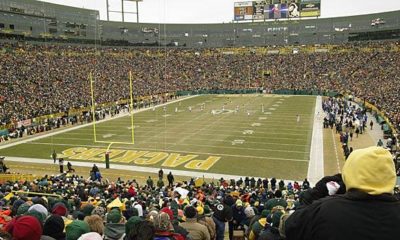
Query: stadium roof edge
[371,15]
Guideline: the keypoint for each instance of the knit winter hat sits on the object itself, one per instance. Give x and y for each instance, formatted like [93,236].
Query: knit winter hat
[370,170]
[22,209]
[162,222]
[100,211]
[130,212]
[59,209]
[131,223]
[54,227]
[228,200]
[16,205]
[91,236]
[39,208]
[169,212]
[249,211]
[75,229]
[87,209]
[78,215]
[190,212]
[265,213]
[200,210]
[39,216]
[25,228]
[114,216]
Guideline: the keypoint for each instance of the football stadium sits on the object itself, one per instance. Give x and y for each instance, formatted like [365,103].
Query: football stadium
[199,120]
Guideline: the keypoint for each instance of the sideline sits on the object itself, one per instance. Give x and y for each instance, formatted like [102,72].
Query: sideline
[336,151]
[89,124]
[316,163]
[134,168]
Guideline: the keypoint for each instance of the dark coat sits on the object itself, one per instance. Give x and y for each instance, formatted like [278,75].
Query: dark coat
[238,214]
[270,233]
[351,216]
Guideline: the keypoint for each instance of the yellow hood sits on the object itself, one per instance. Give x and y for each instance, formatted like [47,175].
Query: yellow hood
[370,170]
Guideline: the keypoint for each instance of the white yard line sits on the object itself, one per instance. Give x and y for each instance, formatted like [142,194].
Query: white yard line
[143,127]
[316,164]
[218,134]
[196,139]
[337,156]
[138,169]
[87,124]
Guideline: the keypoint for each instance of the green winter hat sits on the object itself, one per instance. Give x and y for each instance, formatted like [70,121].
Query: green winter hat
[114,216]
[87,210]
[23,208]
[75,229]
[130,224]
[37,215]
[265,213]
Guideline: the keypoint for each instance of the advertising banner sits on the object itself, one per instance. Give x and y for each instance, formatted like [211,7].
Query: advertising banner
[243,11]
[293,10]
[259,9]
[310,9]
[276,9]
[24,123]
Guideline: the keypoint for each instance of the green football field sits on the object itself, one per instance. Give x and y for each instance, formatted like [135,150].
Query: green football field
[249,135]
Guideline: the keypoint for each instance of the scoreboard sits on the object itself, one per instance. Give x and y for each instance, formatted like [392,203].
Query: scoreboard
[276,9]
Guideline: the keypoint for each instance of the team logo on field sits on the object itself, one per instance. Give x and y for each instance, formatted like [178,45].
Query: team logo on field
[226,111]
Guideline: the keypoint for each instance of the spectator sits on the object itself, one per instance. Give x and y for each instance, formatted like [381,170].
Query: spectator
[204,218]
[170,178]
[115,226]
[258,226]
[76,229]
[95,223]
[196,230]
[25,228]
[143,230]
[53,228]
[369,176]
[222,214]
[238,217]
[276,201]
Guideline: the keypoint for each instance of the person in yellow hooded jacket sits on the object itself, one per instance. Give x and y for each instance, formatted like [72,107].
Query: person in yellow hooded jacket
[367,210]
[258,226]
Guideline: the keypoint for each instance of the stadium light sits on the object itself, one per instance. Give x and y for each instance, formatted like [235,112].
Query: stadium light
[123,10]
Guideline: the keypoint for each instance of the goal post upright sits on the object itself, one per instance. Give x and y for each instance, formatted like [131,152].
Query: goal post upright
[93,110]
[93,106]
[131,106]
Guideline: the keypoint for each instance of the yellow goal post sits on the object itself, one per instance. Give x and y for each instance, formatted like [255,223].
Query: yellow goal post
[93,110]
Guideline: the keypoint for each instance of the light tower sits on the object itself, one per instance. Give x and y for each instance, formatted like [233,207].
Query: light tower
[123,10]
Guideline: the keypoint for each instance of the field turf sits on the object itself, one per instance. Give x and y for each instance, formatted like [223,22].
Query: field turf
[248,142]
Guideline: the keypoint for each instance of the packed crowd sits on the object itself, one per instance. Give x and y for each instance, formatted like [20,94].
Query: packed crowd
[38,80]
[349,120]
[356,203]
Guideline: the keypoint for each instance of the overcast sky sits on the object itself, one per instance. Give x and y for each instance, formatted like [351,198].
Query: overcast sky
[216,11]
